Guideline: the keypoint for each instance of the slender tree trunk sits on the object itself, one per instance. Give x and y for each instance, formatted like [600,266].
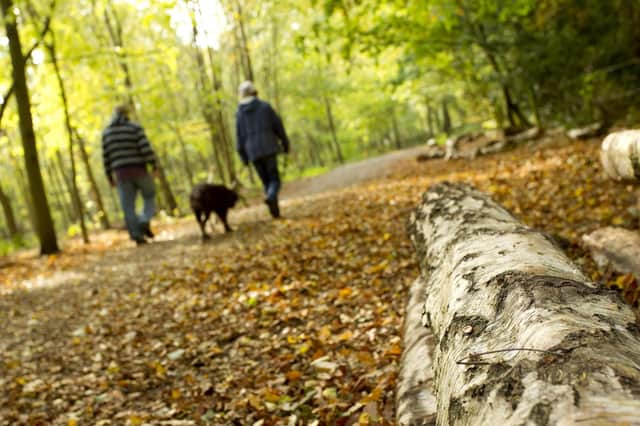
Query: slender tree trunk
[446,118]
[534,106]
[207,107]
[114,28]
[397,139]
[58,192]
[66,180]
[246,55]
[332,127]
[166,188]
[429,118]
[225,139]
[23,184]
[186,164]
[513,110]
[273,62]
[9,216]
[314,151]
[75,192]
[521,335]
[104,217]
[175,127]
[437,120]
[44,223]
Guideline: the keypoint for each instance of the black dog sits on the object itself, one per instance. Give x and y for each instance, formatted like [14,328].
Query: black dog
[206,198]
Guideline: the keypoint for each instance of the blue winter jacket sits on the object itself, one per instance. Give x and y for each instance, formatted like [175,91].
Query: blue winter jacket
[258,128]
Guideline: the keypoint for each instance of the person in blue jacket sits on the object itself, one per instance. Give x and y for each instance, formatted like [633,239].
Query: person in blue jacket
[261,137]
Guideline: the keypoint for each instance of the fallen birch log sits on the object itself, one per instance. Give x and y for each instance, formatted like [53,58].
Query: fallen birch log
[521,336]
[620,155]
[415,401]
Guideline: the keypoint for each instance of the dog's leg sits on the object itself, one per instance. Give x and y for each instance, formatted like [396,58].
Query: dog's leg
[223,217]
[205,236]
[201,223]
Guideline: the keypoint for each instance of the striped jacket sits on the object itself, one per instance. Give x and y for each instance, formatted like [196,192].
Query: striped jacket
[124,144]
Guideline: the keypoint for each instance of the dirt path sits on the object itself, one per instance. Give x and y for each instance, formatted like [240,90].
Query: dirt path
[351,174]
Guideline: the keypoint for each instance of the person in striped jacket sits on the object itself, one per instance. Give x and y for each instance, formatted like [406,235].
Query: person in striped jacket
[127,155]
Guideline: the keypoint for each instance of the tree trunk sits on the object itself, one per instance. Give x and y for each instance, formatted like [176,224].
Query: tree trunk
[66,183]
[58,189]
[172,205]
[332,127]
[397,139]
[44,222]
[9,216]
[415,401]
[224,138]
[430,126]
[175,127]
[522,336]
[75,191]
[245,54]
[114,28]
[104,217]
[446,118]
[23,185]
[207,107]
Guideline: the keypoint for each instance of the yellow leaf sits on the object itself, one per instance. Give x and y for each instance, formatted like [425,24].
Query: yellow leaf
[363,419]
[347,335]
[113,368]
[345,292]
[324,334]
[176,394]
[135,420]
[304,348]
[255,402]
[72,422]
[270,396]
[292,340]
[617,220]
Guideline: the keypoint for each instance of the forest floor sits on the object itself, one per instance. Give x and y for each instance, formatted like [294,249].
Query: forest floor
[293,321]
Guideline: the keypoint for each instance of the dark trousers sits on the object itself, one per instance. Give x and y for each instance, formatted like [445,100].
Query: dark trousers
[267,169]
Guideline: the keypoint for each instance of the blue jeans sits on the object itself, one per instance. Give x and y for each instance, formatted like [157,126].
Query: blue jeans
[128,192]
[267,169]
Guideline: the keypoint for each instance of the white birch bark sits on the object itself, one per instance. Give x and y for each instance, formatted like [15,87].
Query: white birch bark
[615,248]
[565,351]
[620,155]
[415,401]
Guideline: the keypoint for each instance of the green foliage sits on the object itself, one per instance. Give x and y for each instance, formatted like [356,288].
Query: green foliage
[385,68]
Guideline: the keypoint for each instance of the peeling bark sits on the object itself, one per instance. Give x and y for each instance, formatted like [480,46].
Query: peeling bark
[415,401]
[521,336]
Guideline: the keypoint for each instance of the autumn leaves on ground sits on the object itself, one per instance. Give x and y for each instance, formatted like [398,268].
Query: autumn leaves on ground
[288,322]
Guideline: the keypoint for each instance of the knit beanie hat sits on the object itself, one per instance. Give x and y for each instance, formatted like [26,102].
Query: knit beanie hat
[247,89]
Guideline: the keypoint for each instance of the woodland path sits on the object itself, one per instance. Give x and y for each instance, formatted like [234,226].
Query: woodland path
[350,174]
[289,321]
